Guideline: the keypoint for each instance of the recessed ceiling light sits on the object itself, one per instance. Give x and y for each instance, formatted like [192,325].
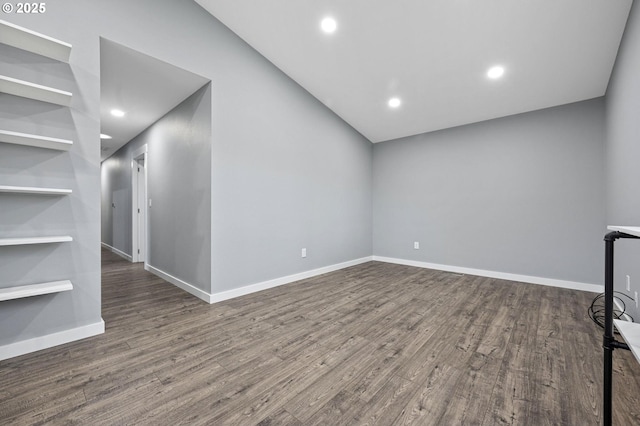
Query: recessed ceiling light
[103,136]
[394,102]
[328,25]
[495,72]
[117,113]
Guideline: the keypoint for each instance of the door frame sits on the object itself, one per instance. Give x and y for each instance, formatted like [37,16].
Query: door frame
[139,154]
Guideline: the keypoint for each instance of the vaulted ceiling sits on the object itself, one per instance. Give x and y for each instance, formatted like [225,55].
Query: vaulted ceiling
[434,55]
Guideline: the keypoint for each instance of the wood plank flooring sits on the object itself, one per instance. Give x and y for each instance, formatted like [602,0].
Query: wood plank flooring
[371,344]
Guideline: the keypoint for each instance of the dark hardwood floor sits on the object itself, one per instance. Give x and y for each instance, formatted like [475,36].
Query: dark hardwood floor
[372,344]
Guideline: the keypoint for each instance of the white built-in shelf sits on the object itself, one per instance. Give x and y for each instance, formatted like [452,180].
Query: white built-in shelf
[34,42]
[17,138]
[19,292]
[34,240]
[631,333]
[25,89]
[631,230]
[33,190]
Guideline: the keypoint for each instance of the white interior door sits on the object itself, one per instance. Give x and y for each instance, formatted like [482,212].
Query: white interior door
[141,210]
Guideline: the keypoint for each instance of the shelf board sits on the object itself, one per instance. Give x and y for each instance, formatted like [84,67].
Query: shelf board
[35,140]
[34,42]
[25,89]
[631,230]
[34,240]
[34,190]
[631,333]
[19,292]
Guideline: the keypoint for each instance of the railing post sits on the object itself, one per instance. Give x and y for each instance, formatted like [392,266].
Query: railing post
[608,327]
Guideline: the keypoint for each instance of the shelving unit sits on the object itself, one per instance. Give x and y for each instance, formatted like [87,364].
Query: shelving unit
[34,42]
[17,138]
[19,292]
[25,89]
[38,44]
[33,190]
[34,240]
[630,331]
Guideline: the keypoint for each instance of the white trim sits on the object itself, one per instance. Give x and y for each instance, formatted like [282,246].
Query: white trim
[252,288]
[619,306]
[241,291]
[116,251]
[50,340]
[595,288]
[140,151]
[143,153]
[189,288]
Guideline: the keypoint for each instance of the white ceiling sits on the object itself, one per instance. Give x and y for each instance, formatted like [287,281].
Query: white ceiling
[144,87]
[434,54]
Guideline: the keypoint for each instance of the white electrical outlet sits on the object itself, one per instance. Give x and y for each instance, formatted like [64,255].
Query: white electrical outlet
[416,245]
[304,252]
[628,283]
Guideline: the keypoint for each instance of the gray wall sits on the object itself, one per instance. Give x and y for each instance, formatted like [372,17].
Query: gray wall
[292,176]
[179,183]
[264,128]
[522,194]
[623,153]
[286,172]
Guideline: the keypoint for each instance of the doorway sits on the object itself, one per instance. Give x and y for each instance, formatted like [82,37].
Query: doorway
[139,211]
[142,90]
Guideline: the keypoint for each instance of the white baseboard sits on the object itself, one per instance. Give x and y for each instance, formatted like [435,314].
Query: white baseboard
[189,288]
[116,251]
[595,288]
[50,340]
[252,288]
[625,316]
